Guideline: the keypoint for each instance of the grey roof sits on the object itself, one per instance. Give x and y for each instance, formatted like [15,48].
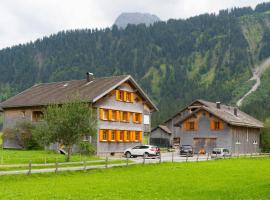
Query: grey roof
[58,92]
[164,128]
[226,113]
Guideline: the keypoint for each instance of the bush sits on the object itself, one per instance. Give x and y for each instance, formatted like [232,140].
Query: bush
[86,148]
[22,134]
[265,137]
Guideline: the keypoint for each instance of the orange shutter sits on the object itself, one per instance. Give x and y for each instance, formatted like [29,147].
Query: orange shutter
[212,124]
[125,136]
[132,133]
[131,97]
[121,116]
[117,117]
[125,96]
[101,114]
[110,135]
[134,117]
[140,136]
[110,114]
[221,125]
[100,135]
[128,117]
[186,125]
[140,117]
[196,125]
[117,95]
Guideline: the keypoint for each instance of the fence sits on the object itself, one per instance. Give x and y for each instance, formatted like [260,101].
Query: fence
[109,162]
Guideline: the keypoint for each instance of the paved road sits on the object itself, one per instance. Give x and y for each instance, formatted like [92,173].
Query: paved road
[165,157]
[257,73]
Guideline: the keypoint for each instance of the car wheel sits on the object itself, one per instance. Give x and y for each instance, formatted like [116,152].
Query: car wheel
[128,154]
[146,154]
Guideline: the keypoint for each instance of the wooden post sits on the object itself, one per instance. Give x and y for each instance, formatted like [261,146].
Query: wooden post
[186,157]
[160,158]
[172,156]
[84,166]
[127,160]
[56,167]
[197,157]
[30,167]
[106,162]
[143,158]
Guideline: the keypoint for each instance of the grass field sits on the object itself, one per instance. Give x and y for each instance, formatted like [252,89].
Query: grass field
[21,157]
[221,179]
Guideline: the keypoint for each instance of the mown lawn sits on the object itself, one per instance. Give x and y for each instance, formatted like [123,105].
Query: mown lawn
[221,179]
[36,156]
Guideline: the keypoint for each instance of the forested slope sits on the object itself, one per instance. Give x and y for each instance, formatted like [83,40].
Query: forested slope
[208,56]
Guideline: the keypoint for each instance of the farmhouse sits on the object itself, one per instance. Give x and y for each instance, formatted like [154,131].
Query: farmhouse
[206,125]
[123,109]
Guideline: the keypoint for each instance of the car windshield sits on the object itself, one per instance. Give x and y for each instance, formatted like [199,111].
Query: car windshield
[186,147]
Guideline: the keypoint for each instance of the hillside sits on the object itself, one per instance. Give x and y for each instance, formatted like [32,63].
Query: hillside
[135,18]
[208,56]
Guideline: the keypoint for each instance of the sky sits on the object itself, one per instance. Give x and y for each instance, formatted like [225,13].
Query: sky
[22,21]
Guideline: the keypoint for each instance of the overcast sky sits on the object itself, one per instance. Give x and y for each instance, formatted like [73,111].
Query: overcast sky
[25,20]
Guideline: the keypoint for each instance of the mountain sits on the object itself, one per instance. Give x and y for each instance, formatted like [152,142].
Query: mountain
[135,18]
[210,56]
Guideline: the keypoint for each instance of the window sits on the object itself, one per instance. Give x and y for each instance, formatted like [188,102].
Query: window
[191,125]
[125,116]
[113,135]
[114,115]
[125,96]
[121,95]
[37,116]
[137,135]
[103,135]
[216,124]
[121,137]
[146,119]
[137,117]
[128,135]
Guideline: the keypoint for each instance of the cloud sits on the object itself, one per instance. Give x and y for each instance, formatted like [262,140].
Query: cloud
[25,20]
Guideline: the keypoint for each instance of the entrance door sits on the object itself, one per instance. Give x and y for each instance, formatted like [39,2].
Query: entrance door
[204,144]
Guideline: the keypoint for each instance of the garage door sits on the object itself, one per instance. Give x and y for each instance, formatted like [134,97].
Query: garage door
[204,144]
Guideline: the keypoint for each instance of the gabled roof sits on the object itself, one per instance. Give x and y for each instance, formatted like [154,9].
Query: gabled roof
[58,92]
[164,128]
[225,113]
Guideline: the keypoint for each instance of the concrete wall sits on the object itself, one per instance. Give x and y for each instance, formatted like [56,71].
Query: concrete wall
[109,102]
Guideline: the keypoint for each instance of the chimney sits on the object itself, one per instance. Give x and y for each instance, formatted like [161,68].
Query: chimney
[218,104]
[235,111]
[89,76]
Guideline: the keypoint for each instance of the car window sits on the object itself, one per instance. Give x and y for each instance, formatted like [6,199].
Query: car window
[216,152]
[137,147]
[226,150]
[143,147]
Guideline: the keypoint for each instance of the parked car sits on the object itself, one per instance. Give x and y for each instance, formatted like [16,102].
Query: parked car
[142,150]
[220,152]
[186,150]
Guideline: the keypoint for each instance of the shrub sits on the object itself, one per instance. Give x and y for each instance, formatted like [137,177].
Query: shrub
[86,148]
[22,134]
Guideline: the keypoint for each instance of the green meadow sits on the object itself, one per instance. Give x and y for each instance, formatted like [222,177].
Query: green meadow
[244,178]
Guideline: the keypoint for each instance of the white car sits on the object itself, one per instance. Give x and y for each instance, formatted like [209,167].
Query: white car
[142,150]
[220,152]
